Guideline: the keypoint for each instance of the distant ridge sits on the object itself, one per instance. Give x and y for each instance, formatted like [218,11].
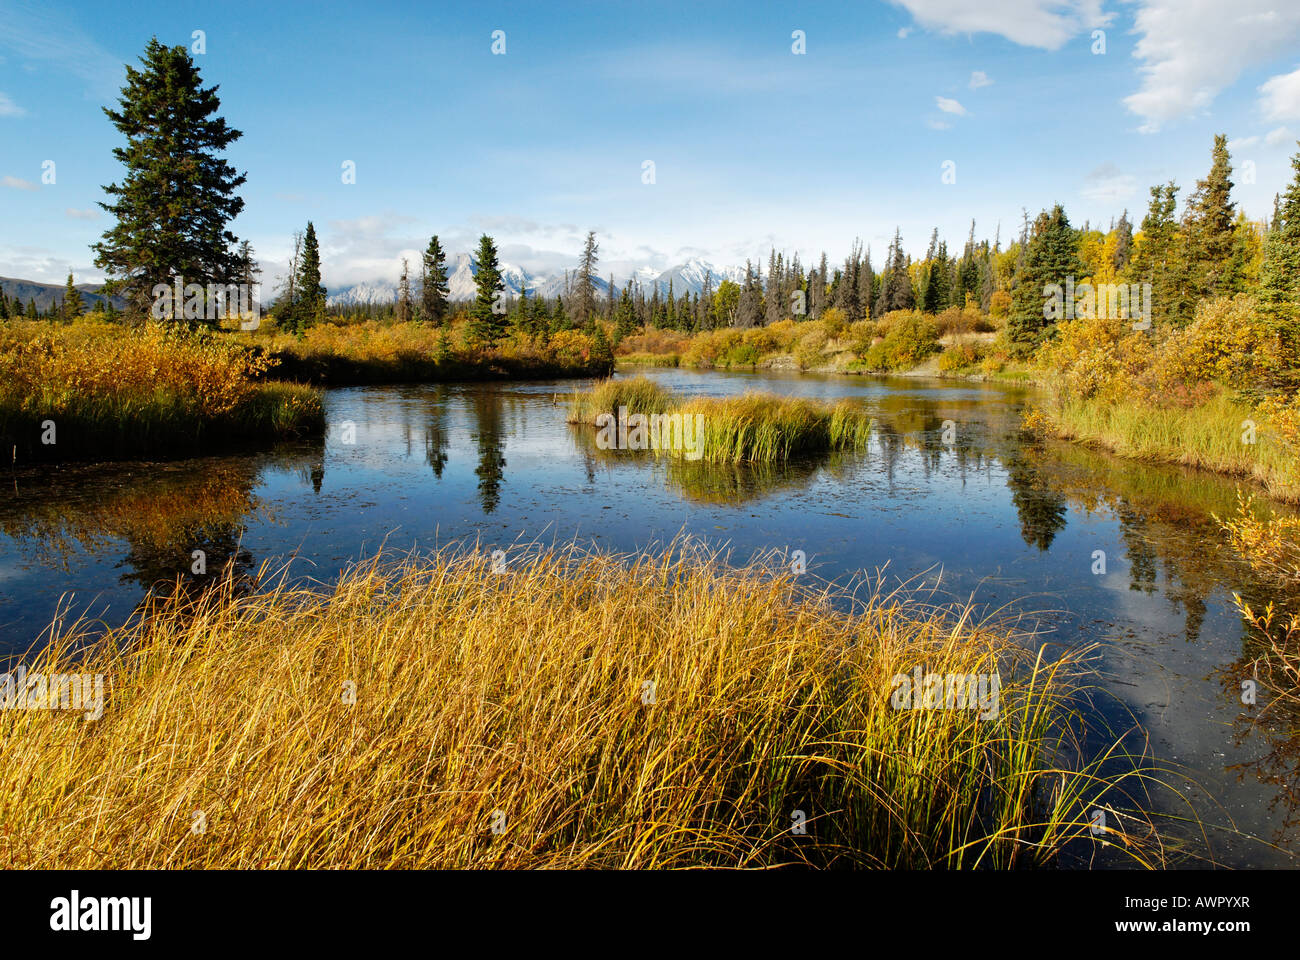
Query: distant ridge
[48,294]
[686,277]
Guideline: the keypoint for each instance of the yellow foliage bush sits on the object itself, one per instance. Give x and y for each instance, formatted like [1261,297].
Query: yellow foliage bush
[53,368]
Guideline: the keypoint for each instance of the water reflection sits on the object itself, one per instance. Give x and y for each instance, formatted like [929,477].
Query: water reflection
[1003,517]
[168,526]
[491,441]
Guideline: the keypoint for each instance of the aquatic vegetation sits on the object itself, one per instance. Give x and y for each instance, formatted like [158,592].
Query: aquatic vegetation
[759,427]
[571,710]
[94,389]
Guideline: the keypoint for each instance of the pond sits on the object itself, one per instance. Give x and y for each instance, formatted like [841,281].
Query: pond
[966,507]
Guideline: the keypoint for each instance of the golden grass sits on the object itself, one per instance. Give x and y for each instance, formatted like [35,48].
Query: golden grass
[519,700]
[1209,435]
[759,427]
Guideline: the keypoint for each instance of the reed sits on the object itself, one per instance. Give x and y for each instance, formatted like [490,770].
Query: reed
[577,710]
[1211,435]
[758,427]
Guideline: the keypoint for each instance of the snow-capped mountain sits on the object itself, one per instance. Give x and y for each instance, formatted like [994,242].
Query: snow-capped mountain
[686,277]
[689,277]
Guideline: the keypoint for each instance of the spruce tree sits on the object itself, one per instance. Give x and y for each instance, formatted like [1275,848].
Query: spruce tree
[1123,244]
[487,322]
[1160,259]
[309,291]
[1210,225]
[433,288]
[625,315]
[1050,257]
[1278,289]
[405,307]
[584,308]
[178,196]
[602,354]
[72,305]
[749,309]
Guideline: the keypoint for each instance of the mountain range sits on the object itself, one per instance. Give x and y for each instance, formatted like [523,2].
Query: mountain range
[47,294]
[686,277]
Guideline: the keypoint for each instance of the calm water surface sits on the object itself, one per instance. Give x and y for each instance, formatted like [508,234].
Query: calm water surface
[1013,523]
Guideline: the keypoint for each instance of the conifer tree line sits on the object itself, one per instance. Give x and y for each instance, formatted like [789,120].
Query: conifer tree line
[173,207]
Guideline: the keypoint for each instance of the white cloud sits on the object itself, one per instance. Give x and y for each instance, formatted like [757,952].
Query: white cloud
[1108,185]
[1276,136]
[74,214]
[1192,49]
[903,32]
[979,78]
[17,183]
[8,108]
[1046,24]
[934,124]
[950,106]
[1280,97]
[1242,143]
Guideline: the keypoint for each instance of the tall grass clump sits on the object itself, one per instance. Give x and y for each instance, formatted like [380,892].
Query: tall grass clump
[1207,436]
[94,389]
[759,427]
[577,710]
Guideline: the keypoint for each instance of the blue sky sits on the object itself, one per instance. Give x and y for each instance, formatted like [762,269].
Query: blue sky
[753,145]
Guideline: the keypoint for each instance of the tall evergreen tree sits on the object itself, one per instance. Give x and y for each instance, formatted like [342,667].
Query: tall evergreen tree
[749,308]
[1210,225]
[584,307]
[178,196]
[72,305]
[405,304]
[487,322]
[1159,259]
[309,307]
[895,281]
[1050,257]
[1123,244]
[1278,289]
[433,283]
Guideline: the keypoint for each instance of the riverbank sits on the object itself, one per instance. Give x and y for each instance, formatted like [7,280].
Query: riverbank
[570,710]
[380,353]
[1220,435]
[93,390]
